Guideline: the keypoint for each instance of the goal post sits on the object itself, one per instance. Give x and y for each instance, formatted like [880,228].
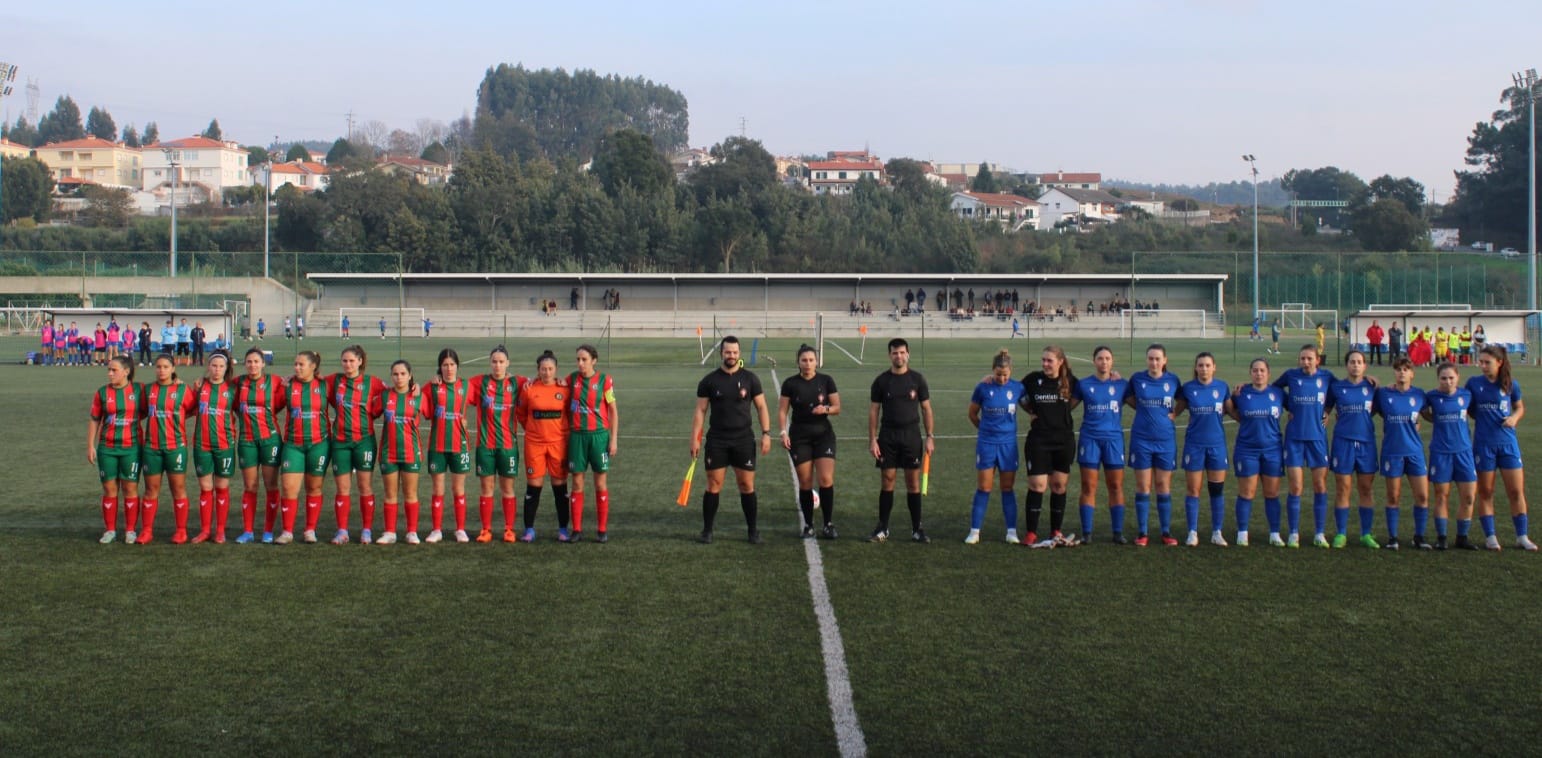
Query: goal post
[1304,317]
[1166,322]
[365,322]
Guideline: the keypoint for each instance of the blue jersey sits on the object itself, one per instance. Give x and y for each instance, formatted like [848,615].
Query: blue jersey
[1101,399]
[1490,406]
[1399,410]
[1207,403]
[1308,400]
[1260,410]
[1153,398]
[1450,434]
[998,410]
[1352,405]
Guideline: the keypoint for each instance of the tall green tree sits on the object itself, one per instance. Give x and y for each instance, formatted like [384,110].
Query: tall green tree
[1386,226]
[213,130]
[1490,201]
[99,124]
[62,123]
[742,167]
[106,206]
[984,181]
[436,152]
[553,114]
[22,133]
[343,151]
[1405,190]
[629,157]
[1327,183]
[152,133]
[130,137]
[256,155]
[27,190]
[297,152]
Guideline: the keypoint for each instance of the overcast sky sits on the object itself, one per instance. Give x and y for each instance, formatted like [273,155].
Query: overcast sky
[1145,91]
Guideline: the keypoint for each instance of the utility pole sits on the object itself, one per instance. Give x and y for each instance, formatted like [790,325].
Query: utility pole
[1253,163]
[1526,86]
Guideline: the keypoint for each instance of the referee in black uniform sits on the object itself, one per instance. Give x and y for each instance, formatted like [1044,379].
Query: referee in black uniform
[811,399]
[900,399]
[1050,447]
[729,392]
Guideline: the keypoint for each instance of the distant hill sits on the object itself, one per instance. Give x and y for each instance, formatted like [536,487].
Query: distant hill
[1229,193]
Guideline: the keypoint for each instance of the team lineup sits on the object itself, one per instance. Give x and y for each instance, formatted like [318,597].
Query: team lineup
[229,426]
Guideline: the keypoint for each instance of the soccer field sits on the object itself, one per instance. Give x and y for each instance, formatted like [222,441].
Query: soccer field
[654,644]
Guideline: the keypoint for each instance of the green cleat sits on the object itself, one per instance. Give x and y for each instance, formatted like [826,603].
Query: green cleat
[1339,541]
[1319,541]
[1369,541]
[1293,541]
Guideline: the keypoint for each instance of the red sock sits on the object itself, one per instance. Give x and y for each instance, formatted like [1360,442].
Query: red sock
[221,509]
[510,506]
[602,507]
[412,516]
[131,512]
[270,511]
[485,507]
[147,515]
[367,510]
[290,508]
[179,513]
[249,511]
[205,509]
[390,517]
[340,508]
[312,512]
[460,513]
[576,503]
[110,513]
[436,511]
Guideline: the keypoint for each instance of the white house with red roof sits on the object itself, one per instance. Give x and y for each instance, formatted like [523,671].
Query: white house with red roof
[204,167]
[1014,212]
[1071,180]
[308,176]
[1080,205]
[422,171]
[9,149]
[840,174]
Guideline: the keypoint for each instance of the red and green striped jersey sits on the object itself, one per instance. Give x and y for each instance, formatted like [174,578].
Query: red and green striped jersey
[589,407]
[307,403]
[497,423]
[216,415]
[167,406]
[447,408]
[259,401]
[119,410]
[401,412]
[353,406]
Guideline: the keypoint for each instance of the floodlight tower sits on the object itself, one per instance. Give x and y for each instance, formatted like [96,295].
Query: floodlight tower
[1253,164]
[171,160]
[1526,86]
[7,75]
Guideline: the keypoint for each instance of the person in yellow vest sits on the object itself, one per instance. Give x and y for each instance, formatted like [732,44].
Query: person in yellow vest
[1429,336]
[1464,344]
[1322,339]
[1442,344]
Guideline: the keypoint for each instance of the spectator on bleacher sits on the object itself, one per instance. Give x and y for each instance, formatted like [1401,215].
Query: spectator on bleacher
[1014,298]
[920,299]
[573,300]
[1373,338]
[942,300]
[910,300]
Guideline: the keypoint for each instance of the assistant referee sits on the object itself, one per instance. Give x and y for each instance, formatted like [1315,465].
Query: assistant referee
[900,401]
[730,441]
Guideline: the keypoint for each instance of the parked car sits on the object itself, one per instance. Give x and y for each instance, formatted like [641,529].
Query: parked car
[1509,252]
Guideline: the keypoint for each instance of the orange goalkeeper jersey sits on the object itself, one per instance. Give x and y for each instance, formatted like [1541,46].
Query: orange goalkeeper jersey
[541,412]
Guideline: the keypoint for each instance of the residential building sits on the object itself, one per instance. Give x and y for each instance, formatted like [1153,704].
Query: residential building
[308,176]
[1063,180]
[1058,204]
[9,149]
[421,171]
[93,160]
[204,167]
[970,169]
[1014,212]
[839,175]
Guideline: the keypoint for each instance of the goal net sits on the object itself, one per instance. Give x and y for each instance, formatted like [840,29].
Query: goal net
[1304,317]
[366,322]
[1166,322]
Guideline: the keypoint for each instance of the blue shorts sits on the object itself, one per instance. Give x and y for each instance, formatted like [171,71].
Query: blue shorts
[1204,457]
[1254,461]
[1307,454]
[1399,466]
[1505,454]
[1146,454]
[1452,467]
[1001,456]
[1092,453]
[1352,457]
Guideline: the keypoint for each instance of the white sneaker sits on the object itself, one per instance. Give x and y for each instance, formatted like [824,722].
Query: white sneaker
[1275,541]
[1012,537]
[433,537]
[412,538]
[1193,539]
[130,538]
[1294,540]
[973,538]
[341,538]
[285,538]
[1218,539]
[108,537]
[1242,539]
[389,538]
[461,536]
[1492,543]
[365,537]
[1524,542]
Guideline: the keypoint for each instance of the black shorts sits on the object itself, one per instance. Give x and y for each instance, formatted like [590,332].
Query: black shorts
[720,454]
[900,448]
[808,447]
[1041,457]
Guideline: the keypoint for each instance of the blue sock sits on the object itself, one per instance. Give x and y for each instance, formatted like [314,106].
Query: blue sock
[1488,525]
[1367,520]
[1009,507]
[1463,526]
[1421,518]
[1244,513]
[1165,512]
[1393,512]
[1319,511]
[1143,512]
[1440,527]
[1191,513]
[1341,520]
[1520,524]
[1116,518]
[1272,512]
[1086,513]
[1293,512]
[982,500]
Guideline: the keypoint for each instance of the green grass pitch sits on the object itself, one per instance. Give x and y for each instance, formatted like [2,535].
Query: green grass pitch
[653,644]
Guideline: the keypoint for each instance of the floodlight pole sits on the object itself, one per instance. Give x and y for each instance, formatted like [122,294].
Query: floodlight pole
[1528,81]
[1253,164]
[7,75]
[267,202]
[172,161]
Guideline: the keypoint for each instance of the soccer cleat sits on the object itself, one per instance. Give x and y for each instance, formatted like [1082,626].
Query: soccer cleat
[562,534]
[201,538]
[1142,541]
[1168,540]
[1012,537]
[1391,544]
[245,538]
[1242,539]
[973,538]
[179,537]
[1275,541]
[1369,541]
[461,536]
[879,535]
[509,536]
[1420,543]
[1440,543]
[1294,540]
[1491,543]
[284,538]
[108,537]
[308,536]
[828,532]
[1340,540]
[705,538]
[341,538]
[1119,539]
[219,537]
[267,538]
[486,535]
[919,535]
[1524,542]
[807,532]
[755,537]
[1320,540]
[601,538]
[389,538]
[130,538]
[1192,540]
[1463,543]
[1030,539]
[434,536]
[1218,539]
[366,537]
[528,536]
[576,536]
[412,538]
